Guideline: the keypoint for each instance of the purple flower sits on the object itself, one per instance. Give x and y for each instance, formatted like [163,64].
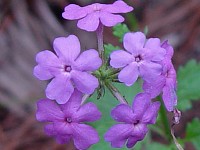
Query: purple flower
[141,58]
[90,16]
[68,69]
[134,121]
[66,120]
[166,82]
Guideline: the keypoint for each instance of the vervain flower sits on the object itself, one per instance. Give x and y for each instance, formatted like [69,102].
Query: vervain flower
[90,16]
[141,58]
[66,120]
[166,82]
[68,69]
[133,121]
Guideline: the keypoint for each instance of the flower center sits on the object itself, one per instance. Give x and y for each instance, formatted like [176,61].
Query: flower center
[68,119]
[138,58]
[136,122]
[67,68]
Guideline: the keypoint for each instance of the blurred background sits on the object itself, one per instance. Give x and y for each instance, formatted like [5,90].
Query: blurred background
[29,26]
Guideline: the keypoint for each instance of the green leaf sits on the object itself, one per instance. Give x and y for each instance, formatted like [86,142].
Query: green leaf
[119,30]
[105,105]
[188,84]
[109,48]
[193,133]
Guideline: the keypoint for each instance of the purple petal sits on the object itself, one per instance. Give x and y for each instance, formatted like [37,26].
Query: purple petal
[88,61]
[169,95]
[90,22]
[84,136]
[63,128]
[63,139]
[123,113]
[84,82]
[109,19]
[129,74]
[72,104]
[151,113]
[60,89]
[73,12]
[169,49]
[117,7]
[118,134]
[48,111]
[133,42]
[140,104]
[154,46]
[139,131]
[49,130]
[42,73]
[150,70]
[87,113]
[67,48]
[120,58]
[131,142]
[156,87]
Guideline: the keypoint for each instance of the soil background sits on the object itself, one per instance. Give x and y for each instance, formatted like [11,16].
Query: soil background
[29,26]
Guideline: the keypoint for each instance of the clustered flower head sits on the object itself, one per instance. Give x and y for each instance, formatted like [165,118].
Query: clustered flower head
[75,76]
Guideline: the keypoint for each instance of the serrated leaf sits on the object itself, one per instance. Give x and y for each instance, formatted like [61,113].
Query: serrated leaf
[119,30]
[109,48]
[188,84]
[193,133]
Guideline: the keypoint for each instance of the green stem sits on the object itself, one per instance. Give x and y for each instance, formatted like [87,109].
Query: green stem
[115,92]
[165,121]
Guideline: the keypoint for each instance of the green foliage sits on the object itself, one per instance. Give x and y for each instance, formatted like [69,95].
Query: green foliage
[193,133]
[109,48]
[119,30]
[188,84]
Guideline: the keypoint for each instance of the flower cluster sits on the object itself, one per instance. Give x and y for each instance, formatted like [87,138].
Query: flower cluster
[76,75]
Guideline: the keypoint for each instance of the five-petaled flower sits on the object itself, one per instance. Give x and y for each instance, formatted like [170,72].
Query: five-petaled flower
[141,58]
[133,121]
[69,69]
[166,82]
[66,120]
[90,16]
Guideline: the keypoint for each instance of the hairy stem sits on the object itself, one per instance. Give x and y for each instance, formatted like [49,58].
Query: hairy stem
[100,42]
[115,92]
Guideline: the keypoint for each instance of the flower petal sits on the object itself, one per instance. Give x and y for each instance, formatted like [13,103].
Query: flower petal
[169,49]
[109,19]
[89,60]
[131,141]
[151,113]
[67,48]
[169,95]
[118,134]
[133,42]
[63,128]
[87,113]
[72,104]
[42,73]
[154,46]
[156,87]
[73,12]
[140,104]
[129,74]
[117,7]
[84,82]
[90,22]
[48,111]
[120,58]
[139,131]
[84,136]
[149,71]
[126,116]
[60,89]
[49,130]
